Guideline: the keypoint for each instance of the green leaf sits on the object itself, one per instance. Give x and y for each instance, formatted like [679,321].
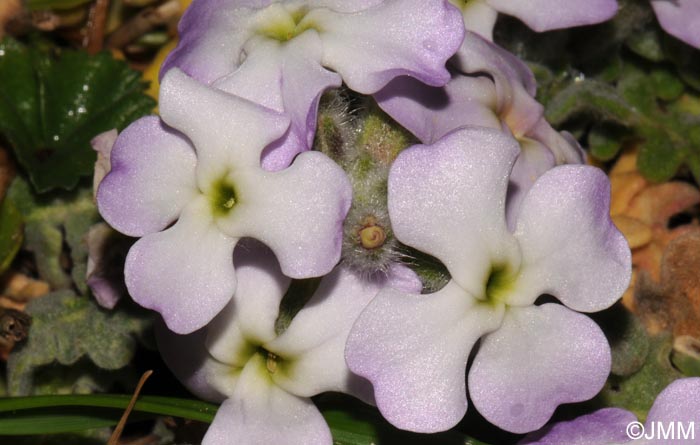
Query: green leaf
[11,233]
[592,97]
[351,423]
[638,391]
[52,105]
[646,43]
[659,159]
[667,86]
[605,140]
[35,5]
[66,328]
[629,342]
[637,89]
[52,220]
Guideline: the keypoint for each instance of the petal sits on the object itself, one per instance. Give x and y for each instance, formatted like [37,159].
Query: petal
[288,79]
[408,37]
[545,15]
[680,18]
[448,200]
[534,160]
[298,212]
[228,132]
[432,112]
[479,18]
[105,264]
[249,320]
[603,427]
[259,412]
[515,82]
[541,357]
[315,340]
[185,272]
[344,5]
[677,406]
[414,350]
[102,144]
[190,362]
[570,247]
[565,148]
[212,34]
[152,178]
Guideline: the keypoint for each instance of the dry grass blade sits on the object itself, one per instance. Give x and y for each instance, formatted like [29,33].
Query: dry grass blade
[114,439]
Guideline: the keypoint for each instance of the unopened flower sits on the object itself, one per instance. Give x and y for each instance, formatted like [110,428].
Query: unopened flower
[673,419]
[264,378]
[448,200]
[541,15]
[102,144]
[208,181]
[284,54]
[680,18]
[492,88]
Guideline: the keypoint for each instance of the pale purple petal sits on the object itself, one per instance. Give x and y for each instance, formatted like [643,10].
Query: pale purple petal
[227,132]
[603,427]
[563,145]
[298,212]
[152,178]
[185,272]
[678,404]
[190,362]
[414,350]
[250,317]
[260,412]
[105,293]
[680,18]
[545,15]
[212,34]
[570,247]
[515,83]
[480,18]
[105,265]
[102,144]
[344,5]
[408,37]
[541,357]
[288,79]
[534,160]
[448,200]
[315,340]
[432,112]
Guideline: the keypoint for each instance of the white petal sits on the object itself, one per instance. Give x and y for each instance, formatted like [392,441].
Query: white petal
[480,18]
[448,200]
[315,340]
[151,178]
[259,412]
[288,79]
[185,272]
[414,350]
[249,320]
[570,247]
[541,357]
[545,15]
[187,358]
[375,45]
[298,212]
[228,132]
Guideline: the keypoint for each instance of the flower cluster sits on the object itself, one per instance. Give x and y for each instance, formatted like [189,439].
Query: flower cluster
[245,181]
